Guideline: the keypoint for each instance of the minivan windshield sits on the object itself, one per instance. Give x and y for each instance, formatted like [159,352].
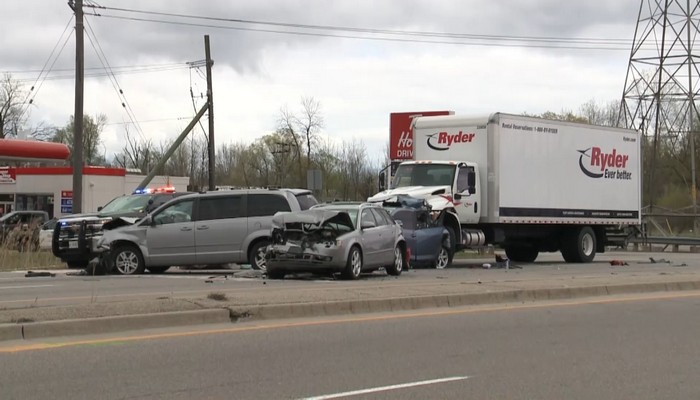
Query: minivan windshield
[130,203]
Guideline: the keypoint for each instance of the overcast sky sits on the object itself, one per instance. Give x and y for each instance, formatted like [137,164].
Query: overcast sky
[358,82]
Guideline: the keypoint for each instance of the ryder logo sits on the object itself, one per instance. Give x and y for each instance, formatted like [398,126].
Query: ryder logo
[604,165]
[442,140]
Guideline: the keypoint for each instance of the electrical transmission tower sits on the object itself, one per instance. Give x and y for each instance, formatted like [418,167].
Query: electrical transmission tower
[661,88]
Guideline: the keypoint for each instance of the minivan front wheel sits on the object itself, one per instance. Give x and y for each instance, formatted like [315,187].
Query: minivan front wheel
[127,260]
[256,256]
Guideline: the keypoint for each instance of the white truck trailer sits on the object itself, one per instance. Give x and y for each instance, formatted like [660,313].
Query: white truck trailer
[527,184]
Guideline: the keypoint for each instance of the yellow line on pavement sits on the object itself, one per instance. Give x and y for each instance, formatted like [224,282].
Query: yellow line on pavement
[16,348]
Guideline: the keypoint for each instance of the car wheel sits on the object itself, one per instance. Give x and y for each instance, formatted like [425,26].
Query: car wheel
[127,260]
[443,258]
[157,270]
[353,267]
[256,257]
[396,268]
[276,274]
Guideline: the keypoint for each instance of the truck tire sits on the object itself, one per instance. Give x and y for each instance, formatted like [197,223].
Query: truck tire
[522,253]
[579,245]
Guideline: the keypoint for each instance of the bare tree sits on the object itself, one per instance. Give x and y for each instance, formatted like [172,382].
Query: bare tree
[12,95]
[136,154]
[300,132]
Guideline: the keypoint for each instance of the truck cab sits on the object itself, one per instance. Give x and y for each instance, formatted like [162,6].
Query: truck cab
[451,189]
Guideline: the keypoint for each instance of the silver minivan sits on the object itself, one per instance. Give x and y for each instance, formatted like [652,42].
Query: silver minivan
[230,226]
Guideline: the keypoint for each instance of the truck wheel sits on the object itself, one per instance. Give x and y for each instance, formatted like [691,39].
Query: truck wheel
[353,267]
[256,257]
[396,268]
[579,245]
[127,260]
[522,253]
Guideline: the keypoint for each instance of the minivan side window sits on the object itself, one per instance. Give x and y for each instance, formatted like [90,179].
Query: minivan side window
[220,207]
[175,213]
[263,204]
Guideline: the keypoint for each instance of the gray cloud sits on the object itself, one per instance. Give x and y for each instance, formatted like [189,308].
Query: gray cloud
[35,29]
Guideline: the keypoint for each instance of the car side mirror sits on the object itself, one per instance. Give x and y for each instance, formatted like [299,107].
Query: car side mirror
[148,220]
[99,208]
[457,196]
[399,222]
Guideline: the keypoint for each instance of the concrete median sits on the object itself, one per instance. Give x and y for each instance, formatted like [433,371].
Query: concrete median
[334,301]
[93,326]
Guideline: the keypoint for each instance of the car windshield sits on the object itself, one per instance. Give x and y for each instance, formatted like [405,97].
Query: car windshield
[424,175]
[132,203]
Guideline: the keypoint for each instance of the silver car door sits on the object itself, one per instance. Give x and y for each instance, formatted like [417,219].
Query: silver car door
[170,240]
[371,239]
[220,229]
[387,236]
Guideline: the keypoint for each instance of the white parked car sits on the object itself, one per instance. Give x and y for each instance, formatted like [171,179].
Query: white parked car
[46,234]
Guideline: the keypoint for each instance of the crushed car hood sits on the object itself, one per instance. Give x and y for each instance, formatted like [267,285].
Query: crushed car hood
[311,218]
[119,222]
[413,191]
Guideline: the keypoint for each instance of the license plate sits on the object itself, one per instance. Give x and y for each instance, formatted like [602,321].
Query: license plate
[72,245]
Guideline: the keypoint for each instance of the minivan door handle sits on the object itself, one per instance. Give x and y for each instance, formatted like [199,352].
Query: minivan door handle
[202,227]
[185,229]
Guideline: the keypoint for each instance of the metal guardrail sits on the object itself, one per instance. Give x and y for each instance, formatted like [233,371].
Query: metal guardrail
[666,240]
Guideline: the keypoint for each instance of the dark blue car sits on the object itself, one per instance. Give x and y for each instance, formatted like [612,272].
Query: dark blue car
[428,241]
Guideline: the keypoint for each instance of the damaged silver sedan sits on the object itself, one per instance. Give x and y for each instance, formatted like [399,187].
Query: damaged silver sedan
[345,238]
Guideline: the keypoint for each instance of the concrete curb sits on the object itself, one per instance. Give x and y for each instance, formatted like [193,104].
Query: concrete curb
[335,308]
[93,326]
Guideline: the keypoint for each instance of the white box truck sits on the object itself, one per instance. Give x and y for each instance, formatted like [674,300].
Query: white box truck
[527,184]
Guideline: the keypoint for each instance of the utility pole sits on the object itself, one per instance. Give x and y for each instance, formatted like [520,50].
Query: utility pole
[78,114]
[210,103]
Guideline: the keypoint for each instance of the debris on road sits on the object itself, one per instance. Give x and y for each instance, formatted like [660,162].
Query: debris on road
[659,261]
[617,263]
[35,274]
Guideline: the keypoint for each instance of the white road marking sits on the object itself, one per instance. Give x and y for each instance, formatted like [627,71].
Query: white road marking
[387,388]
[24,286]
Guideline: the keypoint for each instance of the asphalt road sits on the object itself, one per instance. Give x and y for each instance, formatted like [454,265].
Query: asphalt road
[644,349]
[17,291]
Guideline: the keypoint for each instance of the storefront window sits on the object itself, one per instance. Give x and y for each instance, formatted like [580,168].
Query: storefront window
[35,202]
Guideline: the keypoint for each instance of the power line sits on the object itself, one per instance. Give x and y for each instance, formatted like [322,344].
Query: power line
[582,40]
[113,79]
[145,121]
[29,101]
[121,67]
[102,74]
[583,46]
